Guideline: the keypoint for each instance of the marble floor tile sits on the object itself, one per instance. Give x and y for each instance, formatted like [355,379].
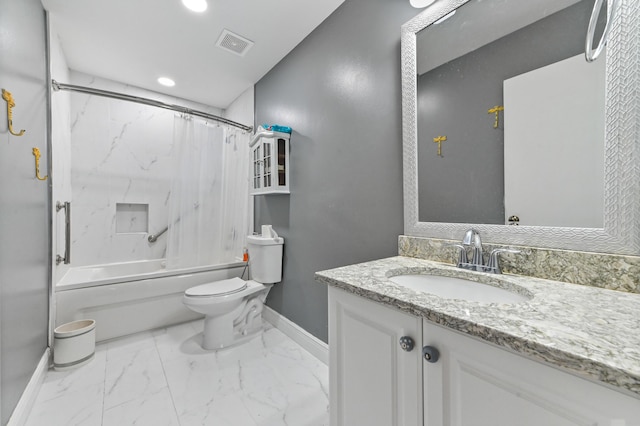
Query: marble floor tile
[179,341]
[57,383]
[124,346]
[304,409]
[196,383]
[154,409]
[279,392]
[133,375]
[253,349]
[80,406]
[225,411]
[164,377]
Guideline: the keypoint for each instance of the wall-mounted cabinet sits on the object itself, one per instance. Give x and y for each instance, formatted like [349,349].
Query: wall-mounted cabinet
[270,163]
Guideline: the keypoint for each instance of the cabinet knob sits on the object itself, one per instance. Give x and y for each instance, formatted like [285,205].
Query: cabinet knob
[407,343]
[430,354]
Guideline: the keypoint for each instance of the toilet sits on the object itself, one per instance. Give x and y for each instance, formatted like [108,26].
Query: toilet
[233,307]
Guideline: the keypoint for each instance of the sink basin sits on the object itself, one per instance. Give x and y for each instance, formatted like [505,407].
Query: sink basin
[458,288]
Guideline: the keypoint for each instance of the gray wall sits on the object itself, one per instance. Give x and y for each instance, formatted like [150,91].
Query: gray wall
[466,185]
[24,290]
[340,91]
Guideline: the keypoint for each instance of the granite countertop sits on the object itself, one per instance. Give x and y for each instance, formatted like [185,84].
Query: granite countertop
[590,332]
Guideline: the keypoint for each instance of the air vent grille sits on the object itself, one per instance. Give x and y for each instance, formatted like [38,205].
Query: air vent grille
[234,43]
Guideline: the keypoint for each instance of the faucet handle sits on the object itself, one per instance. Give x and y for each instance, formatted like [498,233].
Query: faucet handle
[470,237]
[462,256]
[494,261]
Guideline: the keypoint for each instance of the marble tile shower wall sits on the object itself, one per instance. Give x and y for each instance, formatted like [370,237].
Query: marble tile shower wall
[120,153]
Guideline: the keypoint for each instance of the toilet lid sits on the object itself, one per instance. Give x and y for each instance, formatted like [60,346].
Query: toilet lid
[217,288]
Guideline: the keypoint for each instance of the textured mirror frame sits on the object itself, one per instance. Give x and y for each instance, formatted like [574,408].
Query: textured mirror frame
[621,231]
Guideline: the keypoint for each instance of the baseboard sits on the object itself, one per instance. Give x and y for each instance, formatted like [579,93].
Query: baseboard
[312,344]
[28,398]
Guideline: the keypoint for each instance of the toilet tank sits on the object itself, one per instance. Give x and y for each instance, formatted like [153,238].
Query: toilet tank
[265,258]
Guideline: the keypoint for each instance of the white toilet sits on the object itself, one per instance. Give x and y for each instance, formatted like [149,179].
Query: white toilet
[233,307]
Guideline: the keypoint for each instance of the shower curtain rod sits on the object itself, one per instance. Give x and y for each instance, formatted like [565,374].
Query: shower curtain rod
[61,86]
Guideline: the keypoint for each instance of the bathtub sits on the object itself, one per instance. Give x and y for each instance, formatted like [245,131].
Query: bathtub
[127,298]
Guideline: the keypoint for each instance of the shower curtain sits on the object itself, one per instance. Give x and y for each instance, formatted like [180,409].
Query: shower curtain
[209,201]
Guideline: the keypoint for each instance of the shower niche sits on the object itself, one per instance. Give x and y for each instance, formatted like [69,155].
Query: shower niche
[270,160]
[132,218]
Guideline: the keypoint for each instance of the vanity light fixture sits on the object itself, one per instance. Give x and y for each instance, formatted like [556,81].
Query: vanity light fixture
[198,6]
[419,4]
[165,81]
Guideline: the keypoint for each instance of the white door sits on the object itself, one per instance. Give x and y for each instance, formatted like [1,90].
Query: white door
[477,384]
[24,218]
[553,145]
[372,380]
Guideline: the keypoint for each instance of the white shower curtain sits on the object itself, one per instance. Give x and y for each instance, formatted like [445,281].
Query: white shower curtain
[208,205]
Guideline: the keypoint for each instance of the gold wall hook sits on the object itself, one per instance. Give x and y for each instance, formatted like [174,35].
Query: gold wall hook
[36,153]
[7,96]
[439,141]
[496,110]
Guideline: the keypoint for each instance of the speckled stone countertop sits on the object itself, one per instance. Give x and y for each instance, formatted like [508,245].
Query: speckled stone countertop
[590,332]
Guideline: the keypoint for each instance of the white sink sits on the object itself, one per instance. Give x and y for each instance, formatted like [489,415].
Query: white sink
[458,288]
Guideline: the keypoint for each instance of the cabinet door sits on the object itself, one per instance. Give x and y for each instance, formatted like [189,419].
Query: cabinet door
[477,384]
[256,177]
[372,380]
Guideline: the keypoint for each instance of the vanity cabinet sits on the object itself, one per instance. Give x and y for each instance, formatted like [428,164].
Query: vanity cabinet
[373,381]
[474,383]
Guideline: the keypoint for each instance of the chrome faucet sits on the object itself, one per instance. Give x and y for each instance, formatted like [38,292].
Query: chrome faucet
[472,240]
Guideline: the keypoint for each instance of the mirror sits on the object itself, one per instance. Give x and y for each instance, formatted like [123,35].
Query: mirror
[503,117]
[529,70]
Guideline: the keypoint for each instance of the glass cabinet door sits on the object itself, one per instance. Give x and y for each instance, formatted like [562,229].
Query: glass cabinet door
[270,157]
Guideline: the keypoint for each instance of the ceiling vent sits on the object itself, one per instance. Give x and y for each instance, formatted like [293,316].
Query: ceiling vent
[234,43]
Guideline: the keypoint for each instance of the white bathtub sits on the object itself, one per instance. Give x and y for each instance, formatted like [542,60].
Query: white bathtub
[130,297]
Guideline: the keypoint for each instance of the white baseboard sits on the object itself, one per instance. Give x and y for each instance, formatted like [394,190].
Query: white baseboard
[28,398]
[312,344]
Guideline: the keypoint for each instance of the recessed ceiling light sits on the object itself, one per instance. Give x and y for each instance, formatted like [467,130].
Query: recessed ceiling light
[166,82]
[419,4]
[195,5]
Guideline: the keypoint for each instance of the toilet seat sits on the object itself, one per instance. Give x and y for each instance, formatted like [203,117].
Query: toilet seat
[217,288]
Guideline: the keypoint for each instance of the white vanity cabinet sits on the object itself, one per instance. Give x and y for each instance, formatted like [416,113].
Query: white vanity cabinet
[373,381]
[474,383]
